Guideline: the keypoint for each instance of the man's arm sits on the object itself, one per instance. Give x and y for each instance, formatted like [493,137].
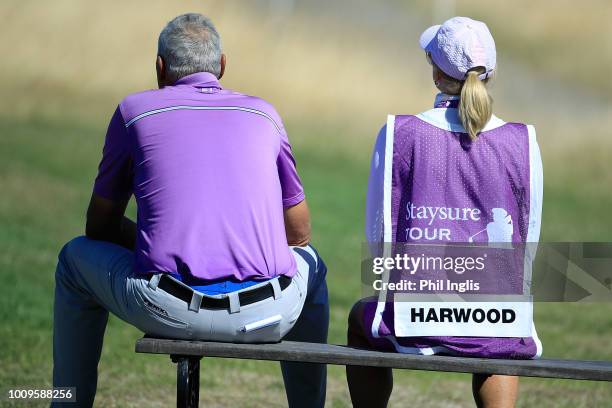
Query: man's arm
[296,214]
[113,189]
[297,224]
[106,222]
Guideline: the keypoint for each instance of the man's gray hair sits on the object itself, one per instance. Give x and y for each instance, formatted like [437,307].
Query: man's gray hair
[188,44]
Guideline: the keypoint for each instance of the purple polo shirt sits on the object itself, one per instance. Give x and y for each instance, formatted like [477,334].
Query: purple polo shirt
[211,171]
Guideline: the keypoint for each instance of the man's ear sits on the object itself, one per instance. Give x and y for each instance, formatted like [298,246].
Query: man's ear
[160,68]
[223,61]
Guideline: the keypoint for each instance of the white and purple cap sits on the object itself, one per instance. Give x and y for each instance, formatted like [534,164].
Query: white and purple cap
[460,44]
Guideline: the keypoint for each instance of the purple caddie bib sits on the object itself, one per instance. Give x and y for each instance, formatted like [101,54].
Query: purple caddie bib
[430,184]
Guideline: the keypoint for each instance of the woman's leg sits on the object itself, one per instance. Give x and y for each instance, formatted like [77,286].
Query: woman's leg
[498,391]
[369,387]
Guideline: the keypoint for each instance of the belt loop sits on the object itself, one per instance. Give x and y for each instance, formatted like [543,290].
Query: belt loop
[276,288]
[234,302]
[154,281]
[196,302]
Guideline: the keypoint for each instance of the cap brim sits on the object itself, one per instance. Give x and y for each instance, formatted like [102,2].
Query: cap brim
[428,35]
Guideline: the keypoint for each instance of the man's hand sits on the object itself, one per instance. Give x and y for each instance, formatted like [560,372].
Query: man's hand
[106,222]
[297,224]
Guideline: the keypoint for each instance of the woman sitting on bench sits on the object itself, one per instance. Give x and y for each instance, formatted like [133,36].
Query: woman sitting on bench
[455,173]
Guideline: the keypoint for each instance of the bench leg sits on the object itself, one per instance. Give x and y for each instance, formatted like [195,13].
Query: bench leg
[187,381]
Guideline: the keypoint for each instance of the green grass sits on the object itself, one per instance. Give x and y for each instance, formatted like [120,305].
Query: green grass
[46,170]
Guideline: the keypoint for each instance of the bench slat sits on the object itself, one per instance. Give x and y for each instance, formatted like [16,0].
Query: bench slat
[343,355]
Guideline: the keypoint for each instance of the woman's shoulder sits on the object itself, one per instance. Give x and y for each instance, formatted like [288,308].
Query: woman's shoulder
[401,122]
[396,126]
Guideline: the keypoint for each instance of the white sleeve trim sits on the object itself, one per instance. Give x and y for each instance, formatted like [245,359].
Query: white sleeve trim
[387,221]
[387,178]
[536,187]
[536,193]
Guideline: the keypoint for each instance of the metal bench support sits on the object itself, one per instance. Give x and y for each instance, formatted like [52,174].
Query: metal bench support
[187,380]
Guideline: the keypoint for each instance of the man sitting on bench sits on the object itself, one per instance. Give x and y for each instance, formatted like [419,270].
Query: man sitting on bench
[220,250]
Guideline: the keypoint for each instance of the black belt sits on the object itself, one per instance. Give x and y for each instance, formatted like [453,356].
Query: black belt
[247,297]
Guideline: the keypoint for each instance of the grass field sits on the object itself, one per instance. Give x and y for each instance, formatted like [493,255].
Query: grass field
[346,68]
[46,169]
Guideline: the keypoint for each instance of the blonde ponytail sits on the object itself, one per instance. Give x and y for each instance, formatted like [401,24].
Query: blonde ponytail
[475,104]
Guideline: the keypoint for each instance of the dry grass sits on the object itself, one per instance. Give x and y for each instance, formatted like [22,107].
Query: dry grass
[561,38]
[78,59]
[81,58]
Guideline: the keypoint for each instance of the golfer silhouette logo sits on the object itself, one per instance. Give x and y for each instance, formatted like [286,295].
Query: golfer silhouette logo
[500,229]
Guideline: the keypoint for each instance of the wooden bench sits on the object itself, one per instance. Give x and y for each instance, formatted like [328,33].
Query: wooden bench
[188,354]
